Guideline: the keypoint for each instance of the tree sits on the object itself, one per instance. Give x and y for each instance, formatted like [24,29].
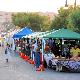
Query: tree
[46,23]
[61,19]
[20,19]
[35,21]
[56,23]
[74,20]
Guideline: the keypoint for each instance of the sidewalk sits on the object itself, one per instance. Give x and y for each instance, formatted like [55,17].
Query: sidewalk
[15,69]
[18,69]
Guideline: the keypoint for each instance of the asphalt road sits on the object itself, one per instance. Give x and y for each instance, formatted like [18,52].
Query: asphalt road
[18,69]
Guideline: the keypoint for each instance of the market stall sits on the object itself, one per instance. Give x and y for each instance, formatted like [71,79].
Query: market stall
[62,35]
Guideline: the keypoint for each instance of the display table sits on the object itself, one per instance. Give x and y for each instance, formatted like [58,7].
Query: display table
[68,65]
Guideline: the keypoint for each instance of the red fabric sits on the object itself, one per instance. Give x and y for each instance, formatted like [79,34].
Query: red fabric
[46,48]
[41,68]
[31,61]
[38,69]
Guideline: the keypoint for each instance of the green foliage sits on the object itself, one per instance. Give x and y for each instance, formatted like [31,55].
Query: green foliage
[56,23]
[20,19]
[35,21]
[61,19]
[74,20]
[67,18]
[46,24]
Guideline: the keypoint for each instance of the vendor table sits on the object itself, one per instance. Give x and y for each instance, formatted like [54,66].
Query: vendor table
[67,65]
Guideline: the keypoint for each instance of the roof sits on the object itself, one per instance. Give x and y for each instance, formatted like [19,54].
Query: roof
[64,33]
[23,32]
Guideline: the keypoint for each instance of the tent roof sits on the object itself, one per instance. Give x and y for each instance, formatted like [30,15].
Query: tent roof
[64,33]
[23,32]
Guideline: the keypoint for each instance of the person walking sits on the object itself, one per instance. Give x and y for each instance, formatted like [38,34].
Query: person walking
[7,53]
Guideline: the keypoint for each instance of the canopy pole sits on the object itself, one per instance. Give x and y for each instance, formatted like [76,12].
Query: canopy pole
[61,47]
[62,42]
[42,49]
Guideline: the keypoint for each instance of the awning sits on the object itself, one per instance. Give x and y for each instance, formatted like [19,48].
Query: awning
[23,32]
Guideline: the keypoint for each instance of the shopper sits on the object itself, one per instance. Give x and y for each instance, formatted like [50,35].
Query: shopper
[37,58]
[7,53]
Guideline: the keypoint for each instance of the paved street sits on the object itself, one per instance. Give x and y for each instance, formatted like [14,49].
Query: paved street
[18,69]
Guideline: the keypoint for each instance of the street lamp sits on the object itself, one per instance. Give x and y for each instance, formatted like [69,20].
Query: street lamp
[66,5]
[75,4]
